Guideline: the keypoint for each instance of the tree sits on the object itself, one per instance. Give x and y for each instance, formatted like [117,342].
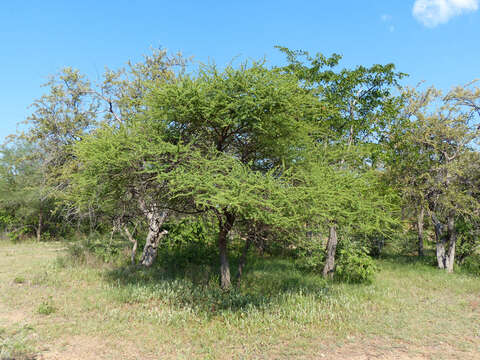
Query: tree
[72,109]
[251,115]
[336,197]
[434,146]
[358,105]
[24,195]
[239,125]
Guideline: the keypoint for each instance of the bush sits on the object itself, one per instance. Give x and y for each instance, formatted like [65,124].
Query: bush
[188,242]
[18,235]
[471,265]
[100,246]
[354,265]
[310,255]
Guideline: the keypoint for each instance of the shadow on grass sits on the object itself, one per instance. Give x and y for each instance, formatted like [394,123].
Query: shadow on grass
[398,259]
[187,281]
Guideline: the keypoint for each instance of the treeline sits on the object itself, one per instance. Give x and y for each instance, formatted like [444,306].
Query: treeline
[294,160]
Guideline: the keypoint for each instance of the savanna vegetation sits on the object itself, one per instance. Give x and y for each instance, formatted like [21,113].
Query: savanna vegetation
[250,211]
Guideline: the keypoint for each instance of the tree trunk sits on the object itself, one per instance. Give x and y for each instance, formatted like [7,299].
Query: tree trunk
[452,240]
[225,225]
[441,260]
[440,243]
[329,267]
[155,221]
[445,257]
[133,241]
[39,228]
[420,217]
[153,239]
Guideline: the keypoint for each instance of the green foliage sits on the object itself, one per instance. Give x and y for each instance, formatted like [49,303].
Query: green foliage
[18,234]
[468,242]
[6,221]
[310,254]
[359,103]
[354,265]
[293,150]
[471,265]
[105,248]
[346,197]
[188,242]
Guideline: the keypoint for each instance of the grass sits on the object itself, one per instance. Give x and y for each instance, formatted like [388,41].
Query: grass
[99,311]
[46,307]
[15,343]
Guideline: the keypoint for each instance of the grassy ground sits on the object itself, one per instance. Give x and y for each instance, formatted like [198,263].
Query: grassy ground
[52,308]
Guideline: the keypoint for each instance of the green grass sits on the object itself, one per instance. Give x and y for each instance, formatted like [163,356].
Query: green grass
[277,311]
[15,343]
[19,280]
[46,307]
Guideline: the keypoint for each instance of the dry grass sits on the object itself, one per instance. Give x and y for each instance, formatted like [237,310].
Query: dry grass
[411,311]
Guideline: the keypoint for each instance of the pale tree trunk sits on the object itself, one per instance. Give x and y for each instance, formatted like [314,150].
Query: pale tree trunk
[225,225]
[155,233]
[446,243]
[440,249]
[329,267]
[39,228]
[420,217]
[440,242]
[133,241]
[452,240]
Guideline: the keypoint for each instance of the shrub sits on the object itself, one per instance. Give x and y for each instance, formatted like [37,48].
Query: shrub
[18,234]
[188,242]
[354,265]
[102,247]
[310,255]
[471,265]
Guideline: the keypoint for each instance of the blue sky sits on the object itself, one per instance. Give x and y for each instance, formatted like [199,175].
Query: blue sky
[432,40]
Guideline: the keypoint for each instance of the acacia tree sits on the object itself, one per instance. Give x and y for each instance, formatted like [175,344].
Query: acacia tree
[339,198]
[359,106]
[24,195]
[238,124]
[434,146]
[74,108]
[112,176]
[60,118]
[122,93]
[256,116]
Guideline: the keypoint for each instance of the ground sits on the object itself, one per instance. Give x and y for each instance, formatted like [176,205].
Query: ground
[53,310]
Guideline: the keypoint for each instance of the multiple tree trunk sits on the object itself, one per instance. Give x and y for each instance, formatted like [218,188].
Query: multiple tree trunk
[155,219]
[155,233]
[445,242]
[133,241]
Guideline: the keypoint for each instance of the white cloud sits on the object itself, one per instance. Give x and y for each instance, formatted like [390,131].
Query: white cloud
[434,12]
